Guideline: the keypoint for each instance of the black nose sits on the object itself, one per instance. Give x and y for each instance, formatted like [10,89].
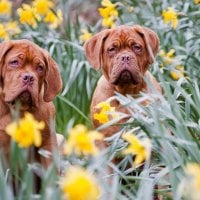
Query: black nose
[125,58]
[28,79]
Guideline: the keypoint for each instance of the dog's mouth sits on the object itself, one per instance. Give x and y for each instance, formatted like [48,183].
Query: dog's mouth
[24,99]
[126,77]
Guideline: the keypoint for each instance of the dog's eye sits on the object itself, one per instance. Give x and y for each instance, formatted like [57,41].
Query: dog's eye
[137,48]
[40,69]
[111,49]
[14,63]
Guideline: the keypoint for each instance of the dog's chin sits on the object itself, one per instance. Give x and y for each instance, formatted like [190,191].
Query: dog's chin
[126,78]
[24,100]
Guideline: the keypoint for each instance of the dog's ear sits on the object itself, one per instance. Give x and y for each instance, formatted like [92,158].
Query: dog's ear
[94,48]
[53,81]
[151,40]
[4,48]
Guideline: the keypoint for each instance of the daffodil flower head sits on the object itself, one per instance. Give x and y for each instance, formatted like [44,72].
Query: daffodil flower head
[170,16]
[103,116]
[193,170]
[85,35]
[196,1]
[108,22]
[54,19]
[28,15]
[109,13]
[168,57]
[5,7]
[9,29]
[139,148]
[12,27]
[79,184]
[191,182]
[3,33]
[107,3]
[42,6]
[26,131]
[178,73]
[81,141]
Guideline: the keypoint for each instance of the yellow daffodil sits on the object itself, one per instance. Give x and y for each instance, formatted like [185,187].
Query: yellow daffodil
[107,3]
[81,141]
[170,16]
[42,6]
[3,33]
[109,13]
[196,1]
[140,149]
[167,57]
[191,182]
[178,73]
[130,9]
[193,170]
[54,20]
[12,28]
[28,15]
[85,35]
[5,7]
[103,116]
[8,30]
[79,184]
[26,131]
[108,22]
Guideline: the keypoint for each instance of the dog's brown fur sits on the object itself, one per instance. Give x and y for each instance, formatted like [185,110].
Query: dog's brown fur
[123,54]
[30,77]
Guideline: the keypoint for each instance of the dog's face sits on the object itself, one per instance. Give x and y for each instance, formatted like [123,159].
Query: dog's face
[124,53]
[27,72]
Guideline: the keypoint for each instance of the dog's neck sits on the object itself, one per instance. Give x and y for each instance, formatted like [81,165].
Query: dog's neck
[127,88]
[4,108]
[10,109]
[130,89]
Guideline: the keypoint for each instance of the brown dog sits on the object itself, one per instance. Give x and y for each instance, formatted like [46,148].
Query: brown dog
[31,78]
[124,55]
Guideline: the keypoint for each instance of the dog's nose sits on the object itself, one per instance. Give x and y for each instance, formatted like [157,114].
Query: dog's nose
[28,79]
[125,58]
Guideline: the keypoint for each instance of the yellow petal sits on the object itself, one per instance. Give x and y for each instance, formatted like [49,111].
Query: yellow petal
[139,159]
[79,184]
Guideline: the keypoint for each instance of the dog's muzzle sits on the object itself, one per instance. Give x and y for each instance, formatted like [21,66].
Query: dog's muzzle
[125,77]
[124,71]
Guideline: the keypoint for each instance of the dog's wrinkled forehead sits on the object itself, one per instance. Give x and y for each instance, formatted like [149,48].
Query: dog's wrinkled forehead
[25,51]
[123,37]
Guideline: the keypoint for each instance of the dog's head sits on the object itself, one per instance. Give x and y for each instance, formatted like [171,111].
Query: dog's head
[27,72]
[123,53]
